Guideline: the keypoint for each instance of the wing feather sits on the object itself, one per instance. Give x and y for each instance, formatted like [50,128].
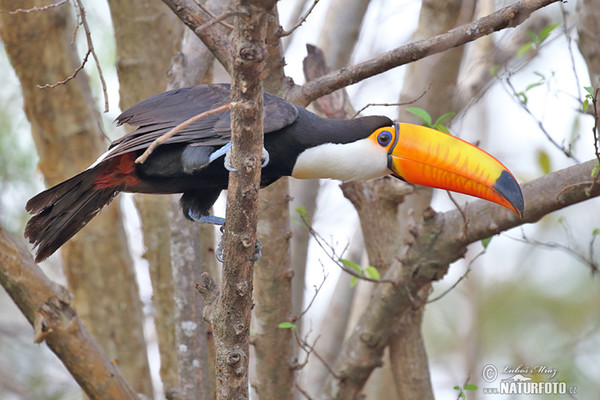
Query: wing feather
[159,114]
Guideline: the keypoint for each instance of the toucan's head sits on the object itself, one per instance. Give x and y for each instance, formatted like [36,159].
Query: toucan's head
[418,155]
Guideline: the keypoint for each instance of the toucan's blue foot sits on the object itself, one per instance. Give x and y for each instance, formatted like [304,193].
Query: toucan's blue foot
[227,161]
[205,219]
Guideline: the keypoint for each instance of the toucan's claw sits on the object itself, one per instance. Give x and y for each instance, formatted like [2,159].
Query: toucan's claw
[257,252]
[265,158]
[227,161]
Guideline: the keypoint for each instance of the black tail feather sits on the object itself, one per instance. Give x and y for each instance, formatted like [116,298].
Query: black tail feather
[63,210]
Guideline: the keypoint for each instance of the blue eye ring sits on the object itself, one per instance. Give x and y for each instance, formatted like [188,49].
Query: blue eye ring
[384,138]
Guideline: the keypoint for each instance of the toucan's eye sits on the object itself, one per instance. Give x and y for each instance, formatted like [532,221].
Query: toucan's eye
[384,138]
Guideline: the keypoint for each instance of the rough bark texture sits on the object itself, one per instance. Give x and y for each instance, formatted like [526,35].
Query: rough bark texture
[588,30]
[231,319]
[47,307]
[273,287]
[215,37]
[147,35]
[190,260]
[64,124]
[193,253]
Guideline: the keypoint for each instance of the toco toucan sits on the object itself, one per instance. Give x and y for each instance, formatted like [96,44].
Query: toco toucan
[298,143]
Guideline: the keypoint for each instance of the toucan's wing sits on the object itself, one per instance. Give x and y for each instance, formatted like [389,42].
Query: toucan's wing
[157,115]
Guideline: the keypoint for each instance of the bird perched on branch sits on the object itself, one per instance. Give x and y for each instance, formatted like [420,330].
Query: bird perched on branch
[297,143]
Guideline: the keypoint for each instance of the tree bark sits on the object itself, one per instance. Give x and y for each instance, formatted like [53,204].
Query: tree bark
[231,318]
[588,12]
[47,307]
[64,124]
[142,71]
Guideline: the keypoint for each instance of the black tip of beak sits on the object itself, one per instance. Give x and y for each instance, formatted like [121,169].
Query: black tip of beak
[508,187]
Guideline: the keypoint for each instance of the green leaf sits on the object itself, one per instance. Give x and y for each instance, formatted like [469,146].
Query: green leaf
[524,49]
[545,32]
[543,160]
[532,35]
[595,170]
[522,96]
[486,242]
[353,282]
[589,89]
[419,112]
[596,232]
[443,118]
[586,104]
[456,388]
[353,265]
[372,272]
[301,210]
[287,325]
[470,386]
[533,85]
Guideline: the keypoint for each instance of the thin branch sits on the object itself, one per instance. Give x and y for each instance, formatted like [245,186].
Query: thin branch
[403,103]
[215,19]
[302,20]
[558,246]
[540,124]
[34,9]
[163,138]
[333,256]
[459,280]
[67,79]
[88,37]
[218,20]
[506,17]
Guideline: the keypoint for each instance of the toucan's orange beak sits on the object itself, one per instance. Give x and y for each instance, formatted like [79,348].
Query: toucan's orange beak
[428,157]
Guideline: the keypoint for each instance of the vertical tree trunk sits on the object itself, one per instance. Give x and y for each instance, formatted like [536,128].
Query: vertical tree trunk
[231,319]
[64,124]
[147,36]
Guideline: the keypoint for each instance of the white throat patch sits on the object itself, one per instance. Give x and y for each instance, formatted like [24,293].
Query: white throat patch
[359,160]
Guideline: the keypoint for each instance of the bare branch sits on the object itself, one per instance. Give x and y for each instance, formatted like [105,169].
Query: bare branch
[47,307]
[35,9]
[506,17]
[88,38]
[67,79]
[163,138]
[304,17]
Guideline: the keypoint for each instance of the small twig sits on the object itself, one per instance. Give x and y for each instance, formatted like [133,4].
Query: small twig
[88,37]
[161,139]
[540,124]
[303,344]
[214,19]
[557,246]
[217,20]
[570,49]
[287,33]
[302,391]
[467,272]
[34,9]
[404,103]
[462,213]
[67,79]
[317,290]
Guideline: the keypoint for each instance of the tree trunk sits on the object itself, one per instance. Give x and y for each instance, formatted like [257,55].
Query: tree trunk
[64,124]
[147,36]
